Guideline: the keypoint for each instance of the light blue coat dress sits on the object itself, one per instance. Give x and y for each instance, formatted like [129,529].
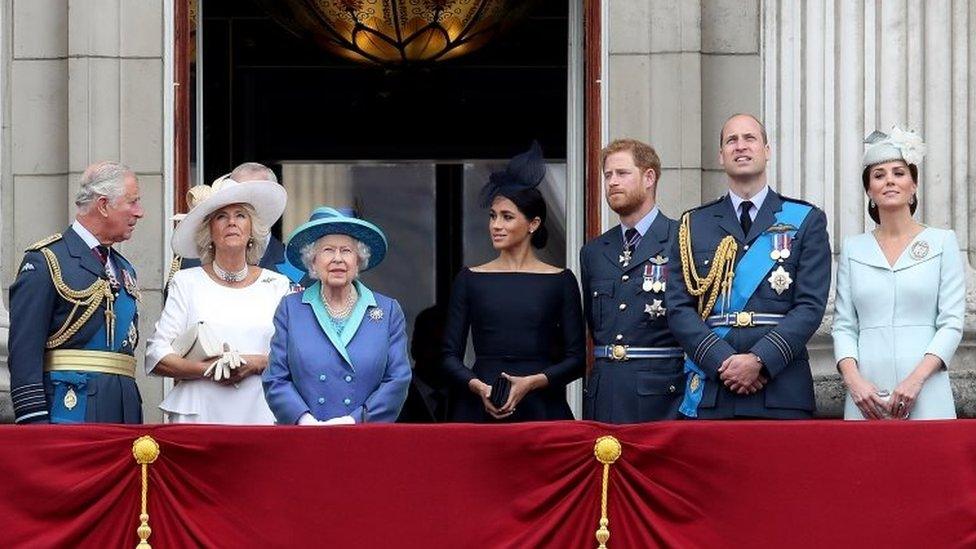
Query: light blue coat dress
[362,372]
[887,318]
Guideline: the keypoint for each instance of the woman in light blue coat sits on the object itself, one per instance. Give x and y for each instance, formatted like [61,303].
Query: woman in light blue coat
[900,296]
[339,352]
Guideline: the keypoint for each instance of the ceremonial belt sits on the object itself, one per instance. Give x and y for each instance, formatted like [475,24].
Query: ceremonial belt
[625,352]
[82,360]
[744,319]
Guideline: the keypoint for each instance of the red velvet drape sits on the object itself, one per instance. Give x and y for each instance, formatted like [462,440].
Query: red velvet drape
[677,484]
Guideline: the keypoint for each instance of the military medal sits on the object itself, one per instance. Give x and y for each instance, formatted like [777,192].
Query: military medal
[625,258]
[655,309]
[782,239]
[376,314]
[131,286]
[70,399]
[655,275]
[919,250]
[780,280]
[131,338]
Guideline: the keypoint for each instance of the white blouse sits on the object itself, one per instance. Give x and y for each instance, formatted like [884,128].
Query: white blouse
[242,317]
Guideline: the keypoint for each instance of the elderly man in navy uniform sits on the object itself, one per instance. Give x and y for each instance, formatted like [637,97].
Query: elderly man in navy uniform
[637,372]
[75,301]
[747,290]
[274,254]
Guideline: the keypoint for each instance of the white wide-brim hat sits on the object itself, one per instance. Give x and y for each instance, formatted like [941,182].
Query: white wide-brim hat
[266,197]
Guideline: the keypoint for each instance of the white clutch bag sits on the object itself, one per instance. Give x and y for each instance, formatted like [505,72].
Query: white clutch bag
[197,343]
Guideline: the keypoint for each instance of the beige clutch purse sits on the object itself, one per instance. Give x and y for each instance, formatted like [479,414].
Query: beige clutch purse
[197,343]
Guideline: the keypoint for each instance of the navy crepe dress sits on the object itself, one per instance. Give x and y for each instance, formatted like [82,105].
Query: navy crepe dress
[520,324]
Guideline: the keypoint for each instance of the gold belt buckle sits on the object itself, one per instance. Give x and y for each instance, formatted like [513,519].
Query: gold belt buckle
[743,319]
[618,352]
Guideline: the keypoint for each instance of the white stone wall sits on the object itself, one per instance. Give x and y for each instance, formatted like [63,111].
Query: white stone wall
[85,83]
[835,70]
[677,69]
[823,74]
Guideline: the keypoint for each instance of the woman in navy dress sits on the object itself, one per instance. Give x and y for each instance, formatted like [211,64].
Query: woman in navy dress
[524,315]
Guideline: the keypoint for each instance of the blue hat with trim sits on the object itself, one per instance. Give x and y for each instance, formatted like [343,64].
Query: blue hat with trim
[325,221]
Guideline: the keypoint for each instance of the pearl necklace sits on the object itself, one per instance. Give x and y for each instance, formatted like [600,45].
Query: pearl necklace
[230,277]
[347,307]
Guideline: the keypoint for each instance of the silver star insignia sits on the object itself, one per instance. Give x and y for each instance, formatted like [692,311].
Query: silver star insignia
[780,280]
[655,308]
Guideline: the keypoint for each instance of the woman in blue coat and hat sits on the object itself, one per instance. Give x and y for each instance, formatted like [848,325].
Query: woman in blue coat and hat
[339,352]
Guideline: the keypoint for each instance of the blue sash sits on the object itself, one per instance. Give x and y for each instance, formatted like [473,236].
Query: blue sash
[63,382]
[125,308]
[749,273]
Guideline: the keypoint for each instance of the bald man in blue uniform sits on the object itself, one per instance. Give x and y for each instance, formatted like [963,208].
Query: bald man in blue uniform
[748,290]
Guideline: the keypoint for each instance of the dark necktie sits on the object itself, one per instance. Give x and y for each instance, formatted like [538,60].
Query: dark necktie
[744,218]
[631,239]
[101,252]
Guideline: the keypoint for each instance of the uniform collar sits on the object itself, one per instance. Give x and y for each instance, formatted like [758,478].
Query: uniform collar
[644,224]
[757,200]
[85,234]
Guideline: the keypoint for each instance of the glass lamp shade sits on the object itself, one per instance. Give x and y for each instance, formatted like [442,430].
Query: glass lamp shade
[397,32]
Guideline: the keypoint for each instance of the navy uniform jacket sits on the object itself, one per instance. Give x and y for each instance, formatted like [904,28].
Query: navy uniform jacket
[636,389]
[782,348]
[39,312]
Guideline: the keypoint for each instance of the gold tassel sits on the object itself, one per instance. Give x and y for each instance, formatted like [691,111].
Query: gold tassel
[145,449]
[606,450]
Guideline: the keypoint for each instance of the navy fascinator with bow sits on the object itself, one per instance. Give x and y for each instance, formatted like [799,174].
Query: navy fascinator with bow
[524,171]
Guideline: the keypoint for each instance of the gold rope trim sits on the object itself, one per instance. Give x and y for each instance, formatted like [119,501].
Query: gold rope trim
[83,360]
[174,267]
[145,449]
[607,449]
[90,298]
[720,274]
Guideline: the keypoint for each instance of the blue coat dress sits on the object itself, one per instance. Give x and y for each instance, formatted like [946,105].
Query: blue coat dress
[888,317]
[363,372]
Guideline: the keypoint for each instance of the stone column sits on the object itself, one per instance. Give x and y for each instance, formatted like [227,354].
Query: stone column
[655,91]
[85,81]
[835,70]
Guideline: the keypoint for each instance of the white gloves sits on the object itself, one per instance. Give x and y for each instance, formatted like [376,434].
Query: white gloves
[221,368]
[342,420]
[308,419]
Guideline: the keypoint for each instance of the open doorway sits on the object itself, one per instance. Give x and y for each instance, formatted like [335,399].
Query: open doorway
[408,147]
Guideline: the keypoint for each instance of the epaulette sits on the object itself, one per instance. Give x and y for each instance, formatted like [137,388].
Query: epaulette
[705,205]
[44,242]
[798,201]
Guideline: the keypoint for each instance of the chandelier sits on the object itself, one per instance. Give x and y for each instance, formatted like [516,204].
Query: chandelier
[397,32]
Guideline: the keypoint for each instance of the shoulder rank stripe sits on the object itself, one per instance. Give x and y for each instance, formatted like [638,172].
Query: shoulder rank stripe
[44,242]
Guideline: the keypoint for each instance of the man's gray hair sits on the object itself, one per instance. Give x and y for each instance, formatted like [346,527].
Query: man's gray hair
[253,171]
[101,179]
[309,251]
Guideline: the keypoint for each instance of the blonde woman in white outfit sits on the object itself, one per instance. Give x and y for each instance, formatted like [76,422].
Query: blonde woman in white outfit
[227,229]
[900,296]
